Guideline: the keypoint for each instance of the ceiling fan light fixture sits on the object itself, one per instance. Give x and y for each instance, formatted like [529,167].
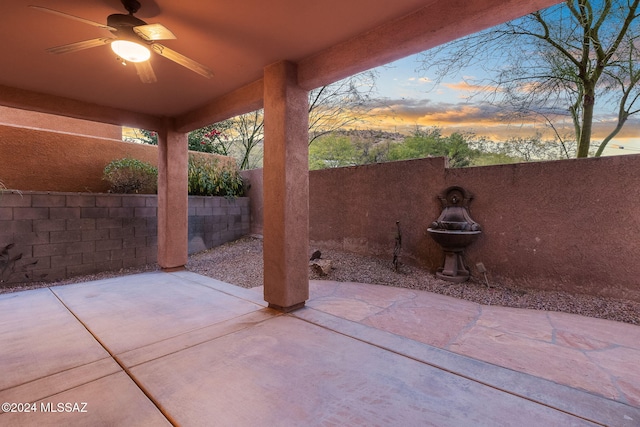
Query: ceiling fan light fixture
[130,51]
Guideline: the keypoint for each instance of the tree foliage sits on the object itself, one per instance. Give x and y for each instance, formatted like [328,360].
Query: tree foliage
[559,64]
[518,149]
[339,149]
[211,139]
[332,151]
[350,148]
[431,143]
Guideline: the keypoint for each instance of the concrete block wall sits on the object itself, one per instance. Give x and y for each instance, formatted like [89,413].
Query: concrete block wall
[61,235]
[217,220]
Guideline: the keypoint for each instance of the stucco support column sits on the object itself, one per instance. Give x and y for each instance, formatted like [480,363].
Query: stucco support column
[286,188]
[173,200]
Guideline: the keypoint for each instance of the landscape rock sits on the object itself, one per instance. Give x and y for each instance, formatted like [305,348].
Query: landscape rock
[322,267]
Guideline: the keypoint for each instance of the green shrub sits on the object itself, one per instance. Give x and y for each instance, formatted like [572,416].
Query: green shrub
[131,176]
[208,178]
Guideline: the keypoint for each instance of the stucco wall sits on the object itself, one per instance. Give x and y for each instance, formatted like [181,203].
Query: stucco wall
[571,225]
[356,208]
[32,119]
[38,160]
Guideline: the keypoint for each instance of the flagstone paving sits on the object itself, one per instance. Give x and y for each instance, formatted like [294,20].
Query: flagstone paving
[595,355]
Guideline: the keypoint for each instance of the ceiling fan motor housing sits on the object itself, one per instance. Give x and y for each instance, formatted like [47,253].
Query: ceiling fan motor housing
[119,20]
[124,25]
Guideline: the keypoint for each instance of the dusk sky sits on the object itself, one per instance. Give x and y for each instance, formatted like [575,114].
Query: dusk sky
[415,101]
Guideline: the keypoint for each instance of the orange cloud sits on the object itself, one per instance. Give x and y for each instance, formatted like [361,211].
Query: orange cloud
[425,111]
[404,115]
[468,87]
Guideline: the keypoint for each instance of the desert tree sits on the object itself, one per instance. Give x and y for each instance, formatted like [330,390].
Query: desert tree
[208,139]
[211,139]
[248,131]
[559,63]
[342,104]
[331,107]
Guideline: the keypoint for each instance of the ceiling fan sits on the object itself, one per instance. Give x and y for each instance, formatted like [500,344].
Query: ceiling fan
[133,41]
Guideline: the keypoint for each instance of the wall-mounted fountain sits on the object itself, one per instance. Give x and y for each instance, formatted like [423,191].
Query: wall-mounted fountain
[454,230]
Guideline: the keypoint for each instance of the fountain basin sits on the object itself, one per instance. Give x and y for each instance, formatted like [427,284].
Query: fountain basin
[453,240]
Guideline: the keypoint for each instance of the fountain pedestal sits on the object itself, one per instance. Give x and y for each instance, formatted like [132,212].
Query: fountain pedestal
[454,269]
[454,230]
[453,242]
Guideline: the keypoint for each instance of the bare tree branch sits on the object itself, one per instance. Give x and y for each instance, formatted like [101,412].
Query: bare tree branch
[570,56]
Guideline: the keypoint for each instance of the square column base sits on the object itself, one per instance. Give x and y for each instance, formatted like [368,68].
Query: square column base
[287,309]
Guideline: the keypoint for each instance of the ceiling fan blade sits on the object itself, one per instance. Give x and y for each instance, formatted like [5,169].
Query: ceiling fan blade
[151,32]
[145,72]
[75,18]
[182,60]
[73,47]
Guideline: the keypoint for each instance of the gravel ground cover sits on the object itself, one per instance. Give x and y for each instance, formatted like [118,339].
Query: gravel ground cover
[240,263]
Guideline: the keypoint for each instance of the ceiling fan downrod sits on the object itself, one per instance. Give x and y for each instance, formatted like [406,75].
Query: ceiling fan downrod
[132,6]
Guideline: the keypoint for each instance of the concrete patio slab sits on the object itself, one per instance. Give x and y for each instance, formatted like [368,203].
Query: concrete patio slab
[255,295]
[40,338]
[189,339]
[180,348]
[59,382]
[114,400]
[147,308]
[286,371]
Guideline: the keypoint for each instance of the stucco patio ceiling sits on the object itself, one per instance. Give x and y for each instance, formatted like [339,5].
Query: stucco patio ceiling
[329,40]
